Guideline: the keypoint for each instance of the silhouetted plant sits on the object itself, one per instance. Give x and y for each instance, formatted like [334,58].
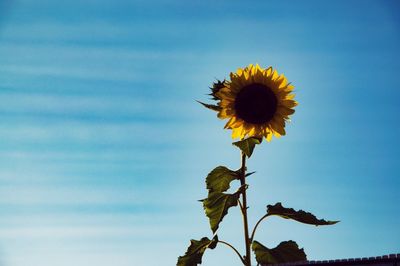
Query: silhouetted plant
[257,103]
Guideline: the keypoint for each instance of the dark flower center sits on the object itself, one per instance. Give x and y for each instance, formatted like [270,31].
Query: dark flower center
[256,104]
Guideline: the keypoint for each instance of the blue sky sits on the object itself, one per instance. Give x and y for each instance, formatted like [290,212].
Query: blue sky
[104,150]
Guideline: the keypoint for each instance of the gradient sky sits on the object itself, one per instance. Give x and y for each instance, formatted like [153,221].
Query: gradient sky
[104,151]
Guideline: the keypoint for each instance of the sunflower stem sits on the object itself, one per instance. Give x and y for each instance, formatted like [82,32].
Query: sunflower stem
[234,249]
[247,258]
[255,227]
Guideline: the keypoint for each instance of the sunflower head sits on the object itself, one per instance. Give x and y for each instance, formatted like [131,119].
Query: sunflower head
[256,101]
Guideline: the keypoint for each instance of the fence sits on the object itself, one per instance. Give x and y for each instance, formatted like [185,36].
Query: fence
[387,260]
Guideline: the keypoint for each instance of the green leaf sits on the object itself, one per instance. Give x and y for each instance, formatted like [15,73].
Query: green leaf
[300,216]
[247,145]
[195,251]
[216,206]
[287,251]
[211,106]
[219,179]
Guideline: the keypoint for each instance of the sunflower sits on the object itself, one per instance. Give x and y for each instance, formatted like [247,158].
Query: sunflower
[256,101]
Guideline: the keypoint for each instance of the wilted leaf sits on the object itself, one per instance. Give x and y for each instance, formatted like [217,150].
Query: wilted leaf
[219,179]
[217,86]
[287,251]
[216,206]
[195,251]
[300,216]
[247,145]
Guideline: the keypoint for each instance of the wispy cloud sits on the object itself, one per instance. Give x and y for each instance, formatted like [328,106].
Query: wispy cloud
[104,151]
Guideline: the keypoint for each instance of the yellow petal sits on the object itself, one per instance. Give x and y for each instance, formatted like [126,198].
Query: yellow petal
[230,122]
[221,115]
[283,110]
[252,70]
[226,103]
[234,122]
[276,134]
[282,81]
[279,118]
[259,78]
[239,71]
[236,133]
[268,72]
[278,128]
[258,68]
[289,103]
[289,87]
[226,113]
[274,75]
[269,136]
[252,131]
[290,96]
